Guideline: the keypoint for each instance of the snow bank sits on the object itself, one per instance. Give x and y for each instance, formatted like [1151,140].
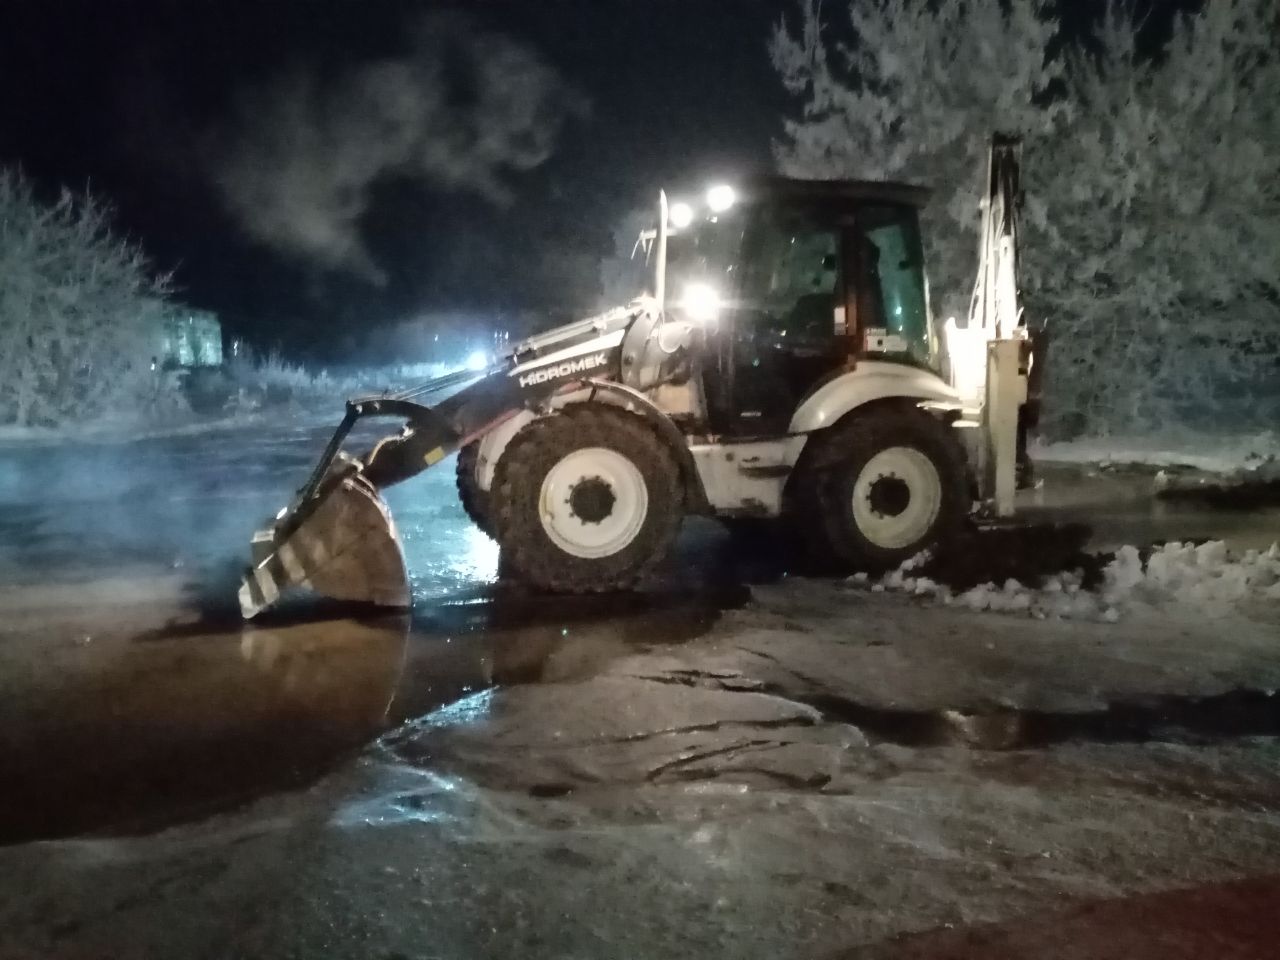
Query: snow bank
[312,399]
[1219,453]
[1255,485]
[1204,577]
[127,430]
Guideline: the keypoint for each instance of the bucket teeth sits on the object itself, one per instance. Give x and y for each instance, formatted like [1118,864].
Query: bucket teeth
[346,548]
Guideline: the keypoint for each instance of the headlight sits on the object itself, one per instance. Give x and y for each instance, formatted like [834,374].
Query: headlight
[721,197]
[477,360]
[680,215]
[701,302]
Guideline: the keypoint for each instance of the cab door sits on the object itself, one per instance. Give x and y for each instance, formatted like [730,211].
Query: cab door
[787,325]
[891,304]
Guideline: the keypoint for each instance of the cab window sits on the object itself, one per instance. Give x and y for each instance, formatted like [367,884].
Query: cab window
[892,307]
[790,284]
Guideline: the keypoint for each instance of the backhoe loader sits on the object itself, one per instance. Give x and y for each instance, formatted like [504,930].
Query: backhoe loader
[783,363]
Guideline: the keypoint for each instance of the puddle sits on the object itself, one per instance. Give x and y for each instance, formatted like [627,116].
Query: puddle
[137,727]
[459,648]
[1121,507]
[1246,495]
[137,732]
[1164,719]
[133,733]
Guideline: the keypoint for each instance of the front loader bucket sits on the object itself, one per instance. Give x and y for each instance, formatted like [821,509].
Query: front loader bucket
[341,544]
[337,539]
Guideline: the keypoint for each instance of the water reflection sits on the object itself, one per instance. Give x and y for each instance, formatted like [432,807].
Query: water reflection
[138,731]
[512,637]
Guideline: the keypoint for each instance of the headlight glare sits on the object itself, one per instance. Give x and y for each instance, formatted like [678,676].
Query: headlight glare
[701,302]
[680,215]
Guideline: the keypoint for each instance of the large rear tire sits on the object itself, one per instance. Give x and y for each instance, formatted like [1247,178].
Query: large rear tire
[881,487]
[474,500]
[586,501]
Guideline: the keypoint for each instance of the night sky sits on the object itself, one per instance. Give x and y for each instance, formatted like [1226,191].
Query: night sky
[140,98]
[133,96]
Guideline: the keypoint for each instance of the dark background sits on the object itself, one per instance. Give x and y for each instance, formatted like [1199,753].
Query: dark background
[116,94]
[121,95]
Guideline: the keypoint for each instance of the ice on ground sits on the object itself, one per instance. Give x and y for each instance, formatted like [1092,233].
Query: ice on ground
[1205,576]
[1205,451]
[125,429]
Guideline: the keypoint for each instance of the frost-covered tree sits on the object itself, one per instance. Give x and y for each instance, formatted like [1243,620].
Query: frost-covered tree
[914,94]
[1160,263]
[1152,231]
[78,311]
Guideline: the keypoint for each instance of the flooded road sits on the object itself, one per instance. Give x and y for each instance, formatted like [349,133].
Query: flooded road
[131,696]
[134,732]
[732,763]
[128,732]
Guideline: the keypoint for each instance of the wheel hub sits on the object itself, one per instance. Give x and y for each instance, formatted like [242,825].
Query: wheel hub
[897,496]
[591,500]
[890,495]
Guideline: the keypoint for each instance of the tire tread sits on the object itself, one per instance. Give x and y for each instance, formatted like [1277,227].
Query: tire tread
[823,517]
[534,450]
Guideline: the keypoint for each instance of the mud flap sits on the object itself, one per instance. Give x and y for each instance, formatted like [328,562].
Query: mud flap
[345,548]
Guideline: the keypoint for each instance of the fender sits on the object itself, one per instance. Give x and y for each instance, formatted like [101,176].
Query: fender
[597,391]
[870,380]
[495,441]
[636,402]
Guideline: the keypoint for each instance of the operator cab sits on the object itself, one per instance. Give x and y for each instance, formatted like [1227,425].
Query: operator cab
[795,281]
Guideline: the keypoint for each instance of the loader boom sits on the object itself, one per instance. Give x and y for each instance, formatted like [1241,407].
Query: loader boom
[311,542]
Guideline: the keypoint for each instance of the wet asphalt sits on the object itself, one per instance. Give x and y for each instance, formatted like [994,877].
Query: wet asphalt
[122,712]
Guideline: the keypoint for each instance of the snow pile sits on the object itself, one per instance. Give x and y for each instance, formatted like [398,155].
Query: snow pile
[1207,574]
[1204,576]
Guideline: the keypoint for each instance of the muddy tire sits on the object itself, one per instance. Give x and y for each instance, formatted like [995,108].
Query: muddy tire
[474,500]
[880,487]
[586,501]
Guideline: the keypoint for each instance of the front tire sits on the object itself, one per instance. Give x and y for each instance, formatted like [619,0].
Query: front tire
[586,501]
[881,487]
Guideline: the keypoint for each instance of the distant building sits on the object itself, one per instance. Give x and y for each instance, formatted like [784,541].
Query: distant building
[188,338]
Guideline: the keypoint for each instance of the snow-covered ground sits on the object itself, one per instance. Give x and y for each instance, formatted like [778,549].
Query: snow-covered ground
[1217,452]
[303,397]
[738,763]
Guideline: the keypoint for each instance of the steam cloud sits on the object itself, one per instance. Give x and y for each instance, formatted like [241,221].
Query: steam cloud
[463,108]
